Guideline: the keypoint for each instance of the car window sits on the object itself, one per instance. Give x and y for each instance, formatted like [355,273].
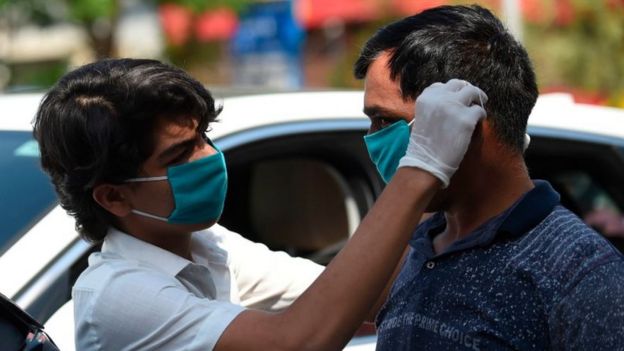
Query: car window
[587,192]
[301,206]
[304,194]
[595,205]
[26,193]
[588,176]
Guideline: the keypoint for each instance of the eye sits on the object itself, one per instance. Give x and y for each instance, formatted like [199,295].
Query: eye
[181,157]
[385,122]
[379,122]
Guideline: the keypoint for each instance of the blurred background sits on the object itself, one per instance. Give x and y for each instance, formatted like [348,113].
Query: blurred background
[577,46]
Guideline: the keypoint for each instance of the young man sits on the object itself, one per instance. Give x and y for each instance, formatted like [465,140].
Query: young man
[501,265]
[125,145]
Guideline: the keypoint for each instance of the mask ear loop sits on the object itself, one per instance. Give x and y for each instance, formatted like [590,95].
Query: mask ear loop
[149,215]
[146,179]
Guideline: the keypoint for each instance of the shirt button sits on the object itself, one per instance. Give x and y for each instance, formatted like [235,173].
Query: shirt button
[430,264]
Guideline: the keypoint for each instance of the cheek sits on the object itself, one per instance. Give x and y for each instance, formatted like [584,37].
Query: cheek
[165,195]
[156,198]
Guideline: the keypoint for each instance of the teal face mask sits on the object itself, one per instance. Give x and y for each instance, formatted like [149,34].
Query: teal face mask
[387,146]
[198,187]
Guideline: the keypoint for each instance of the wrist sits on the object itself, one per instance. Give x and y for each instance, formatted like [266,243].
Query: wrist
[432,166]
[412,177]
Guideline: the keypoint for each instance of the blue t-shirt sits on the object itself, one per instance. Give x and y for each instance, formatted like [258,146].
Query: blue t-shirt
[532,278]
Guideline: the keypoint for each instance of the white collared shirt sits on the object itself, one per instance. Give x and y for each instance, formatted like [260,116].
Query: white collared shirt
[136,296]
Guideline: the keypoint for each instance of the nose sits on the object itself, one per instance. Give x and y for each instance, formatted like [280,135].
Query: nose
[203,150]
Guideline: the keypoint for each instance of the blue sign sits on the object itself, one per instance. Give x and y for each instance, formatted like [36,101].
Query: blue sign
[267,47]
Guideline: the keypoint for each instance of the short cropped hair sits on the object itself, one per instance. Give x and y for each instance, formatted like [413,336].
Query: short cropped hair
[465,42]
[96,126]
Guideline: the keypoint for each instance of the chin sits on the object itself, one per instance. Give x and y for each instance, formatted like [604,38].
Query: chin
[206,225]
[196,227]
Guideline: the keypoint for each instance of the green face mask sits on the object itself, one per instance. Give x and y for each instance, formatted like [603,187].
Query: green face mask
[199,188]
[387,146]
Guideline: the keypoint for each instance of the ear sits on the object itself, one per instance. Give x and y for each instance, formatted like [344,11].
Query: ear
[112,198]
[478,141]
[487,131]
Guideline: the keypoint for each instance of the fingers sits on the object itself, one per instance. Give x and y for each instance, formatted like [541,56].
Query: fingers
[467,93]
[455,84]
[475,113]
[447,116]
[470,94]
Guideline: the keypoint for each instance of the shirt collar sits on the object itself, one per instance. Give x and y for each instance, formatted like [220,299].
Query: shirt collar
[129,247]
[527,212]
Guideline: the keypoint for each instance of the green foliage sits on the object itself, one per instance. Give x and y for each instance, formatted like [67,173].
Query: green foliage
[585,53]
[36,76]
[199,6]
[88,11]
[36,11]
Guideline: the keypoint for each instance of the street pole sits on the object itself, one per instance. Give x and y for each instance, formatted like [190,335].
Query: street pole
[513,17]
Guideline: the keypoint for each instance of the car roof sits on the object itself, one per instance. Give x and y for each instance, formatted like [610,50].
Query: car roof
[18,110]
[557,111]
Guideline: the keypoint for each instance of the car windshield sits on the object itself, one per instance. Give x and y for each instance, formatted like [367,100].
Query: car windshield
[26,193]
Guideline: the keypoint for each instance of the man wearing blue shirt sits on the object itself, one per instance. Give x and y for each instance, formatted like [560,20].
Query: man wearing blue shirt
[501,265]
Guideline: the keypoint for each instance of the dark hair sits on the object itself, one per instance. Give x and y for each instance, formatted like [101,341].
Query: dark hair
[96,126]
[465,42]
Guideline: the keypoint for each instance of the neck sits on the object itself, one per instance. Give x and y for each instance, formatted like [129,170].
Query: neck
[482,197]
[178,243]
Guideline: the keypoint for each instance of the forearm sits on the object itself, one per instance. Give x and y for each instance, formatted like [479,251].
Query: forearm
[330,311]
[372,313]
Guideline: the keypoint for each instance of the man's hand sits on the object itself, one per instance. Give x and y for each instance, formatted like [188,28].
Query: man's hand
[445,118]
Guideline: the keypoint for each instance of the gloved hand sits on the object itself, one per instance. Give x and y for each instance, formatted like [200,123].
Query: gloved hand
[445,118]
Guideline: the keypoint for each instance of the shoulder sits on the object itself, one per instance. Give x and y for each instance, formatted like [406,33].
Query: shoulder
[560,251]
[107,271]
[120,303]
[563,240]
[117,284]
[591,313]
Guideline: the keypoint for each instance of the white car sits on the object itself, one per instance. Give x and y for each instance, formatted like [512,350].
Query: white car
[300,180]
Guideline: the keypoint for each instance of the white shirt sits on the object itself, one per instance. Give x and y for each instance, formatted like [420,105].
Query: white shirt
[136,296]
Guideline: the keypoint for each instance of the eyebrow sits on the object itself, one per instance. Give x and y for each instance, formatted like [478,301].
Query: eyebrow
[379,110]
[174,149]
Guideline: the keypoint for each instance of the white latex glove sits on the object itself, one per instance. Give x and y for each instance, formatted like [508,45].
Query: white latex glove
[445,118]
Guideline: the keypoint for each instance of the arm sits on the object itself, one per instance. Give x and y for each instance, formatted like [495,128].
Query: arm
[327,314]
[372,314]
